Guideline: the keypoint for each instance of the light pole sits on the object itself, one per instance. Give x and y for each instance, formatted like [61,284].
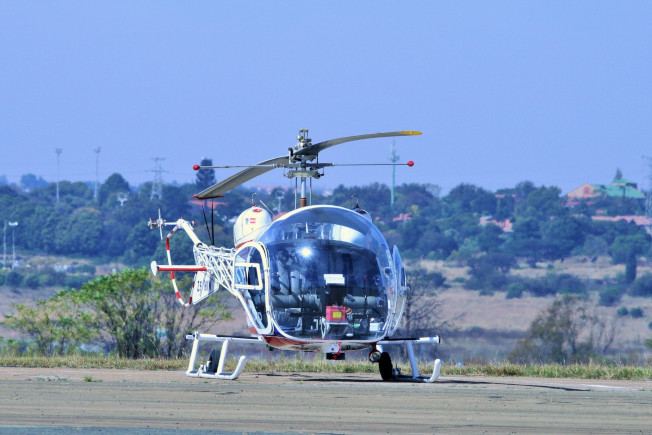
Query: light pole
[97,170]
[13,242]
[393,158]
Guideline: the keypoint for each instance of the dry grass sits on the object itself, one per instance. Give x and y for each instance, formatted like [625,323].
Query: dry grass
[575,371]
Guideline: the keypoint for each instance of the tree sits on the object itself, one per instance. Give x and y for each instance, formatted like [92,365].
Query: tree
[542,203]
[564,333]
[490,238]
[560,236]
[57,325]
[30,181]
[422,314]
[136,311]
[619,174]
[468,198]
[630,268]
[625,246]
[205,178]
[110,189]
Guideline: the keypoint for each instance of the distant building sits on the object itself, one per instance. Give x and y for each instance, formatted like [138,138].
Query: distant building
[505,225]
[642,221]
[621,188]
[403,217]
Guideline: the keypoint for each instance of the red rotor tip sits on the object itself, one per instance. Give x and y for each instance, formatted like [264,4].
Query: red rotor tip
[410,163]
[195,167]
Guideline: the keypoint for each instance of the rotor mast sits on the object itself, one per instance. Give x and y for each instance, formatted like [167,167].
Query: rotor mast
[302,171]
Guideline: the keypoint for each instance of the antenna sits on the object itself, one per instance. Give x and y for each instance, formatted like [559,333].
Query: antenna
[157,184]
[58,151]
[393,157]
[97,171]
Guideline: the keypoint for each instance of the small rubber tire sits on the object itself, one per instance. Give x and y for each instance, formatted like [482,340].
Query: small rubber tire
[385,367]
[214,357]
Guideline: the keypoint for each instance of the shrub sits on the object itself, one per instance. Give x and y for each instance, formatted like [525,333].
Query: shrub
[566,332]
[75,281]
[611,295]
[636,312]
[622,312]
[554,283]
[86,268]
[642,286]
[31,281]
[13,279]
[515,290]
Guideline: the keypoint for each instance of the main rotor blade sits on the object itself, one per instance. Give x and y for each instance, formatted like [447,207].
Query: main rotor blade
[241,177]
[315,149]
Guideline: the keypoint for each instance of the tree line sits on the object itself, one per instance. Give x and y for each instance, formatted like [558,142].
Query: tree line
[423,223]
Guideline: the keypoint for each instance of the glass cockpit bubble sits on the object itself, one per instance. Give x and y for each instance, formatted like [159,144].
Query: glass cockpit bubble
[328,275]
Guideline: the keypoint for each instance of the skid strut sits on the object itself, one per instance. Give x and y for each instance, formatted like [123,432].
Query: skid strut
[416,377]
[202,372]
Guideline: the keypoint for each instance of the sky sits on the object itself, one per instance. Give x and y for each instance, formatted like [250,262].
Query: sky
[557,93]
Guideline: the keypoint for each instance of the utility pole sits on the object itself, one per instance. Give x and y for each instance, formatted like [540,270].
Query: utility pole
[393,158]
[58,151]
[157,184]
[97,171]
[13,242]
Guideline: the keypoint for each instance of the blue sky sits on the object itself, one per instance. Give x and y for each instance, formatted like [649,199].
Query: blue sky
[558,93]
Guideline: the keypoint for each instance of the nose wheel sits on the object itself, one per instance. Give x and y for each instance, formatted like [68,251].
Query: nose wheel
[385,367]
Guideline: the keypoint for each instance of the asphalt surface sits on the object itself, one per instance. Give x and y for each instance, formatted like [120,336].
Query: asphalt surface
[61,401]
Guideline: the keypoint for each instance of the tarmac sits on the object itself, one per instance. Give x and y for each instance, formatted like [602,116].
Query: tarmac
[62,400]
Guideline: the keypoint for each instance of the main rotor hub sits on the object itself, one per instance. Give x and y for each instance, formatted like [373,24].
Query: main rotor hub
[304,140]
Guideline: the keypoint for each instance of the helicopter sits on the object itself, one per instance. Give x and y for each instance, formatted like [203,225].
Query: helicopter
[320,278]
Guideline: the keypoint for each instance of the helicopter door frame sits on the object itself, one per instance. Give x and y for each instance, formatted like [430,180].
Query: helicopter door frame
[261,323]
[401,289]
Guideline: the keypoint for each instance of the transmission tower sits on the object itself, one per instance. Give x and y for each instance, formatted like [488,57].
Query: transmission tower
[157,184]
[58,151]
[393,158]
[97,171]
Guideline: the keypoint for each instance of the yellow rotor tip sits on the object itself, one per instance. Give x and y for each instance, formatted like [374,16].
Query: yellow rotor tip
[411,133]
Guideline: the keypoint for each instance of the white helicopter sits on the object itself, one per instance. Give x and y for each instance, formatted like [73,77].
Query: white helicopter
[319,278]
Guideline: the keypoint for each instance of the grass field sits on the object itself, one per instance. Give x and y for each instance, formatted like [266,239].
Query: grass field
[575,371]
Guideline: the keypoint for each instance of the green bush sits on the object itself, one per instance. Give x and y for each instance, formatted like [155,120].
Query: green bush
[75,281]
[515,290]
[642,286]
[611,295]
[31,281]
[622,312]
[552,284]
[13,279]
[636,312]
[85,268]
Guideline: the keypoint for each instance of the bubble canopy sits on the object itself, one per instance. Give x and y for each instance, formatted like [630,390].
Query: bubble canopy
[329,272]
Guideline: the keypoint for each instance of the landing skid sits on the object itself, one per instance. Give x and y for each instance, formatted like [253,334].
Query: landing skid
[209,370]
[385,363]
